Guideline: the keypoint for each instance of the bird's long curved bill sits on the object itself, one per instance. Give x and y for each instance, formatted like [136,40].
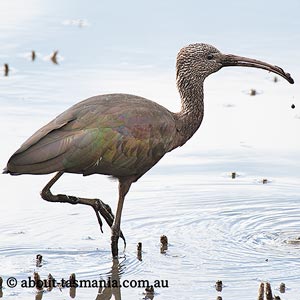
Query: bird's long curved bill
[235,60]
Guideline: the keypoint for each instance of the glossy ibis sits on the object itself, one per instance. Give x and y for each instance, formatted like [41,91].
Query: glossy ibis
[123,135]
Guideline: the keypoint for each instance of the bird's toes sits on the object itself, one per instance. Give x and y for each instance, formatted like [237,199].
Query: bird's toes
[123,238]
[105,212]
[107,207]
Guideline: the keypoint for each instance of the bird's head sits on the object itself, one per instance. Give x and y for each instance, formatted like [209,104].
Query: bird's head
[197,61]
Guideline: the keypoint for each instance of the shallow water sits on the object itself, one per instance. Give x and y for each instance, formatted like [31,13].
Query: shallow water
[240,231]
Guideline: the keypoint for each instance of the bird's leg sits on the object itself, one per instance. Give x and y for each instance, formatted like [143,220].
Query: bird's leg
[99,206]
[124,186]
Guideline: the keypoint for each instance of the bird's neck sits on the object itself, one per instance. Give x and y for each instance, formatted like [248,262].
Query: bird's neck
[192,106]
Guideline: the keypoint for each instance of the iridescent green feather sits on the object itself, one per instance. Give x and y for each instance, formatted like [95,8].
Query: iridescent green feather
[115,134]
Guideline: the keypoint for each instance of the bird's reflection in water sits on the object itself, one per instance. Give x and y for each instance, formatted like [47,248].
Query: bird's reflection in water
[39,295]
[109,288]
[113,283]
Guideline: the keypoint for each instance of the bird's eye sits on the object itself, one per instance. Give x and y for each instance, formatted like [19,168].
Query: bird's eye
[210,56]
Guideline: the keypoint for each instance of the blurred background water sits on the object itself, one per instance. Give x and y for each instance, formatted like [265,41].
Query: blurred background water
[238,230]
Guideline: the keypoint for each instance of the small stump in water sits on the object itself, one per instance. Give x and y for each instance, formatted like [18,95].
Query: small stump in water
[37,281]
[54,57]
[261,291]
[219,285]
[50,282]
[252,92]
[163,244]
[149,291]
[73,285]
[6,69]
[233,175]
[282,288]
[1,283]
[293,106]
[33,55]
[139,251]
[38,260]
[72,280]
[268,291]
[139,246]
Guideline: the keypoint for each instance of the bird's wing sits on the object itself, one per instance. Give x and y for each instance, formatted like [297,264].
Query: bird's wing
[55,124]
[44,151]
[112,134]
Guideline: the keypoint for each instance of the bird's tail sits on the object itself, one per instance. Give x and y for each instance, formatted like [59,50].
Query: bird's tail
[7,171]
